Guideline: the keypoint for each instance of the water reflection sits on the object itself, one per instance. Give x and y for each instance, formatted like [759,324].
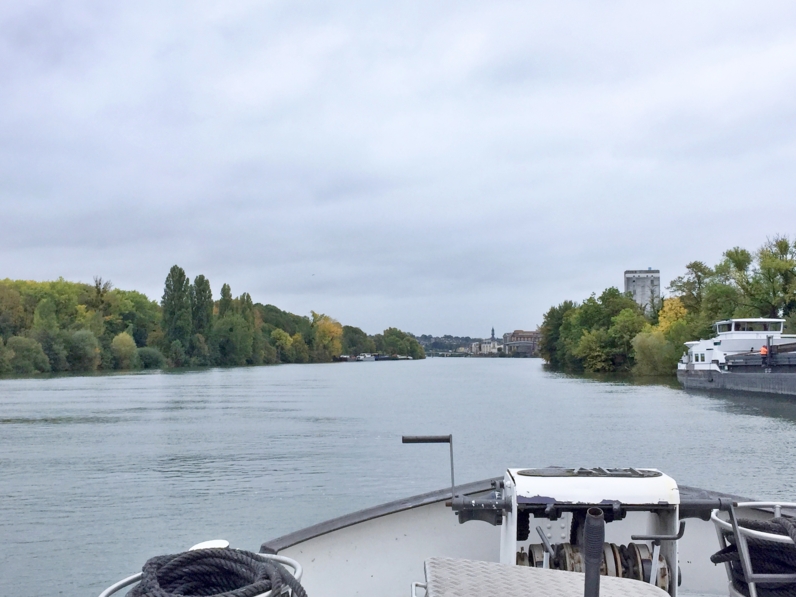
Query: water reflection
[63,420]
[775,406]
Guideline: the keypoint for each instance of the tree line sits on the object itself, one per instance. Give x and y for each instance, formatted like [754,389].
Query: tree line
[68,326]
[610,332]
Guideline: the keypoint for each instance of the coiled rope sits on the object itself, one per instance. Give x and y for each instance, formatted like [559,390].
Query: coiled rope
[767,557]
[218,571]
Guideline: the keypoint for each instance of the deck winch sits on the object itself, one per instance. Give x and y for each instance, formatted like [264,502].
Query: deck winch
[542,513]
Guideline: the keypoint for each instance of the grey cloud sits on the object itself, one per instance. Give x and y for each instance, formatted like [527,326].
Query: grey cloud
[443,168]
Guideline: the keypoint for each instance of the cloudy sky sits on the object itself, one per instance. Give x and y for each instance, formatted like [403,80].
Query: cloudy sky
[443,167]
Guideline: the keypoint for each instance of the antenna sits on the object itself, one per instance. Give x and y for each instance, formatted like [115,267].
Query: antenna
[433,439]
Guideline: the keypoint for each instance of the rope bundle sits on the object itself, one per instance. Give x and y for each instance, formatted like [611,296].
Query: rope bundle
[767,557]
[218,572]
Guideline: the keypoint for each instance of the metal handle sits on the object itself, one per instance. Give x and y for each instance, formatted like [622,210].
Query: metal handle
[426,439]
[546,542]
[433,439]
[676,537]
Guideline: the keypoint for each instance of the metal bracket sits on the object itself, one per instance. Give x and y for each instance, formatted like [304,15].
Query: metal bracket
[489,509]
[415,585]
[656,539]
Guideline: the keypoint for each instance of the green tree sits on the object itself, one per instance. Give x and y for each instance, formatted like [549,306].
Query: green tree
[176,303]
[6,355]
[44,317]
[225,302]
[234,338]
[690,287]
[594,350]
[199,350]
[151,358]
[273,317]
[28,356]
[139,315]
[83,351]
[100,290]
[45,331]
[355,341]
[124,351]
[53,343]
[12,313]
[202,306]
[396,342]
[259,347]
[246,307]
[283,342]
[177,356]
[551,332]
[654,354]
[624,328]
[301,354]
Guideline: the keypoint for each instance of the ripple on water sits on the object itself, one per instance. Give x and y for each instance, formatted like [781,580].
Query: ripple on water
[99,473]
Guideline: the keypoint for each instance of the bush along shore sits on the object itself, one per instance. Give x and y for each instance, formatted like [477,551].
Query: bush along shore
[67,326]
[611,333]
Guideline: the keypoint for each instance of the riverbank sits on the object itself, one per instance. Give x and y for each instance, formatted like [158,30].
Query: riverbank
[612,332]
[69,326]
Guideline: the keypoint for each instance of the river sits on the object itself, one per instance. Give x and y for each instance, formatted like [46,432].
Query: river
[100,473]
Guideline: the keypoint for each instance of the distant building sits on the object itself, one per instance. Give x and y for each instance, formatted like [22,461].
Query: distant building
[486,347]
[644,285]
[521,341]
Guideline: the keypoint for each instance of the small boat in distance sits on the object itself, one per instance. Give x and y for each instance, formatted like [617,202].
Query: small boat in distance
[750,354]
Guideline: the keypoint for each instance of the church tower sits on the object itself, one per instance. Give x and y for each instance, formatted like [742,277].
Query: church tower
[493,334]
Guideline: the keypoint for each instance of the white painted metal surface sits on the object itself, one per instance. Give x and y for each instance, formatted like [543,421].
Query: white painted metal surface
[593,490]
[384,555]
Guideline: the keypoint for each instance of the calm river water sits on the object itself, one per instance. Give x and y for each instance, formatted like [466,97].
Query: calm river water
[97,474]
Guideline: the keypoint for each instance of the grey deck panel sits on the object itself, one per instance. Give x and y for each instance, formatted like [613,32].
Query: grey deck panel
[448,577]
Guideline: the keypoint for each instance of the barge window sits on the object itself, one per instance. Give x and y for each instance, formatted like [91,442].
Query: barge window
[724,327]
[758,326]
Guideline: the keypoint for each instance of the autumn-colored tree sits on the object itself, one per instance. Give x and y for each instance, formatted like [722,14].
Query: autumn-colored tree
[301,353]
[673,311]
[328,335]
[124,351]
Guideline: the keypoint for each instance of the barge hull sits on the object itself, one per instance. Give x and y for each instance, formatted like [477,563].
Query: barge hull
[771,383]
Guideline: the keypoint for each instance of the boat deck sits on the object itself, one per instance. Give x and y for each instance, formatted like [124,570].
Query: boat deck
[449,577]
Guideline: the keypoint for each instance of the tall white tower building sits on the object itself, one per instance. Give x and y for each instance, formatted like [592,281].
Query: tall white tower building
[644,285]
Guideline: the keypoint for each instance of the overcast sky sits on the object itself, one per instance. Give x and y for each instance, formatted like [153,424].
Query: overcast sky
[442,167]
